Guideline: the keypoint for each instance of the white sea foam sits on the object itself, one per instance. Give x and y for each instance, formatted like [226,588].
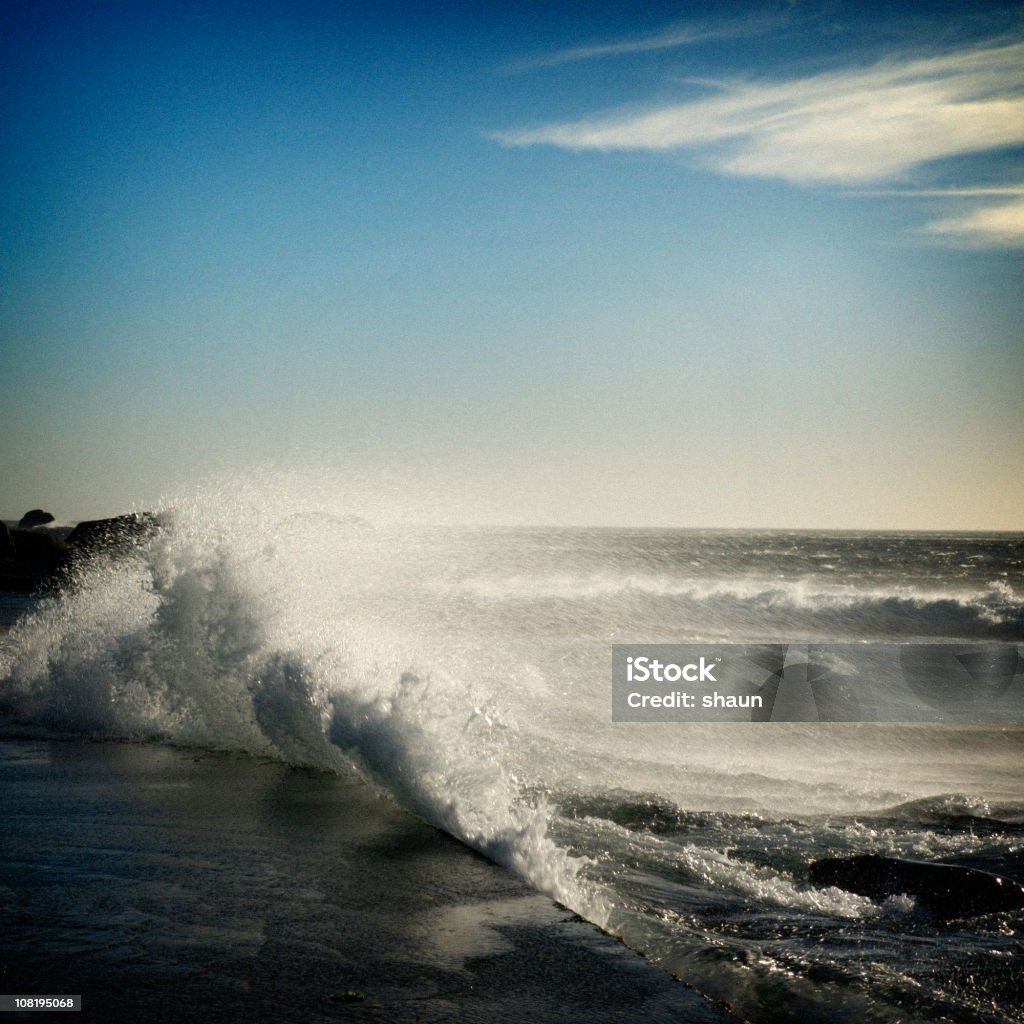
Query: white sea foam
[949,611]
[466,676]
[207,636]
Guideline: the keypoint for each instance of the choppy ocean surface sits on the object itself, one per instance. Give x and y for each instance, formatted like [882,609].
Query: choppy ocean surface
[466,674]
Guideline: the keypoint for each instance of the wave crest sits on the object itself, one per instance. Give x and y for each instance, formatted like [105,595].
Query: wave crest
[994,611]
[200,641]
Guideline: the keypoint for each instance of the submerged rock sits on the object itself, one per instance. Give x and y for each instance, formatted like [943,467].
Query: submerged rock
[948,891]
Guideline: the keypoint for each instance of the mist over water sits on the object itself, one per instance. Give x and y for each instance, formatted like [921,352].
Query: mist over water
[246,625]
[466,674]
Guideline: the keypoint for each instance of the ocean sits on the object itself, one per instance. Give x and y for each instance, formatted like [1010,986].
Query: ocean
[464,674]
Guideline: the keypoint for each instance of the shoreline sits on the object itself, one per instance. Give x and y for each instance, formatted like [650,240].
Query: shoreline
[197,886]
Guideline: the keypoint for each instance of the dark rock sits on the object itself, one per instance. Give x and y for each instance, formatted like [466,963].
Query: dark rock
[118,535]
[38,561]
[35,517]
[948,891]
[38,552]
[7,552]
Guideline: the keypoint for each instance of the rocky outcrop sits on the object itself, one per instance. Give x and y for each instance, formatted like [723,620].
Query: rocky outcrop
[31,560]
[7,551]
[949,891]
[38,560]
[34,517]
[42,551]
[117,536]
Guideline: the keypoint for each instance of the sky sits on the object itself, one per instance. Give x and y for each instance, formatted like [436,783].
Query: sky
[653,264]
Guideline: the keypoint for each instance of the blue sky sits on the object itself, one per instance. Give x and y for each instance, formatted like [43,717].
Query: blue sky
[660,264]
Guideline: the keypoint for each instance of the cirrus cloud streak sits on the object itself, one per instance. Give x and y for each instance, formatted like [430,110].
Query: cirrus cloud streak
[847,127]
[999,226]
[672,37]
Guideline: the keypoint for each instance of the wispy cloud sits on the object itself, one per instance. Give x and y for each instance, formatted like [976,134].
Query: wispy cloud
[667,38]
[986,227]
[849,127]
[948,193]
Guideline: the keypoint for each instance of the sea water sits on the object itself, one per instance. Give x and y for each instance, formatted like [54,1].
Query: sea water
[466,673]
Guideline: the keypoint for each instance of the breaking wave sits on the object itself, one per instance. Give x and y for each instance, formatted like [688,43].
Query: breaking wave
[211,638]
[994,611]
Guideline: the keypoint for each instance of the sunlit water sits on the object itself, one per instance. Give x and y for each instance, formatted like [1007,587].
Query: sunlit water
[466,673]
